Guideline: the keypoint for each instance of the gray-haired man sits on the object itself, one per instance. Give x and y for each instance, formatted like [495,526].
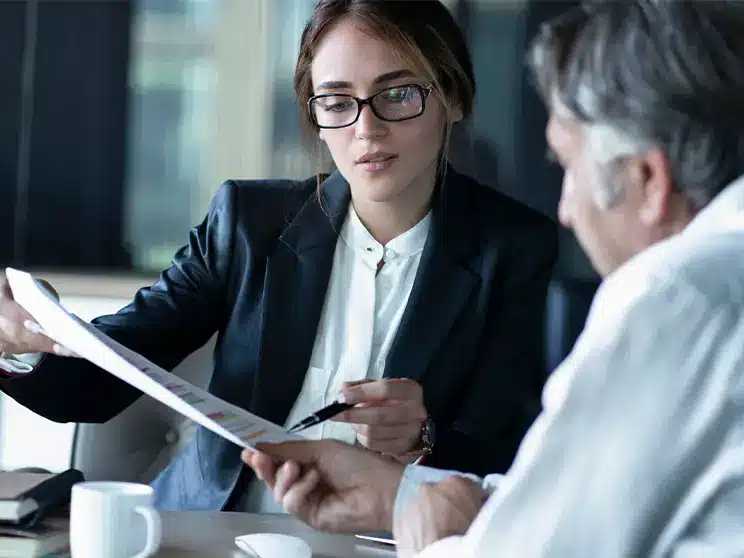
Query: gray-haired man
[639,451]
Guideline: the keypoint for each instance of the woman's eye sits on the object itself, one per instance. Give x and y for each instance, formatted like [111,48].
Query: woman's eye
[338,107]
[396,95]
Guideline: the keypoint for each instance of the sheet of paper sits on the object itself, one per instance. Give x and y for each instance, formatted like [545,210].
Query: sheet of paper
[227,420]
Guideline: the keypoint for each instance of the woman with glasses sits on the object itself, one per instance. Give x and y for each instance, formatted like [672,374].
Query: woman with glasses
[395,284]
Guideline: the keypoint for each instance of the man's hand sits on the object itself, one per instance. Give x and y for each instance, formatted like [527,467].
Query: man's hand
[440,510]
[19,333]
[389,414]
[330,485]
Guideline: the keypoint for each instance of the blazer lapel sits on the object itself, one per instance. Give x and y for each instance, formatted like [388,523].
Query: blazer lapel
[295,285]
[444,282]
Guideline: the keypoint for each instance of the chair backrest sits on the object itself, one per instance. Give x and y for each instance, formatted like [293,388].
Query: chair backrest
[137,444]
[569,300]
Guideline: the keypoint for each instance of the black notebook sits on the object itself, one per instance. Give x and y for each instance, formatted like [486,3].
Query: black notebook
[27,497]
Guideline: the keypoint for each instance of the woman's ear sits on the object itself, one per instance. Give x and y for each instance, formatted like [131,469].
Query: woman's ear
[455,114]
[320,134]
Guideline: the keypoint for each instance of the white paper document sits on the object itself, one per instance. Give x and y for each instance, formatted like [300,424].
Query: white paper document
[227,420]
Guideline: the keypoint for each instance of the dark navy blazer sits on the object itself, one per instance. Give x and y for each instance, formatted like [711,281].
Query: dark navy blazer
[256,270]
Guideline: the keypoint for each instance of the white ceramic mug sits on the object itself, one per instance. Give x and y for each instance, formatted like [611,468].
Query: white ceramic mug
[113,519]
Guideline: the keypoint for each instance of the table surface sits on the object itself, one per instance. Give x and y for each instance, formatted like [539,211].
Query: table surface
[202,535]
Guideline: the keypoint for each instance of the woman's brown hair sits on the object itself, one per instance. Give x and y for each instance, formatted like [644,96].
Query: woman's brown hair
[423,34]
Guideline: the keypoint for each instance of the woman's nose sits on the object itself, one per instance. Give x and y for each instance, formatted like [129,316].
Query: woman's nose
[368,125]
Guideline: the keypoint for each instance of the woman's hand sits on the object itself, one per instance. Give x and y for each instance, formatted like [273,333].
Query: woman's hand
[389,415]
[19,333]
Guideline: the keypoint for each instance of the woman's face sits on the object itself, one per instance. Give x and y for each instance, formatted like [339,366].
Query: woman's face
[352,62]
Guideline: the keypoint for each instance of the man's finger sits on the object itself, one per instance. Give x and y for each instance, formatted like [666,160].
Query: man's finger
[246,456]
[305,451]
[286,476]
[261,464]
[297,499]
[401,389]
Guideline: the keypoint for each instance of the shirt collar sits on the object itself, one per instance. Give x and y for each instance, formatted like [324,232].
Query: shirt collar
[725,209]
[357,237]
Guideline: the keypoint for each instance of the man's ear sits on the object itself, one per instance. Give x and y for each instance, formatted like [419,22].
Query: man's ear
[652,173]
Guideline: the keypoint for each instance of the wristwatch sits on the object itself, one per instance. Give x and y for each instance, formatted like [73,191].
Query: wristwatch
[426,444]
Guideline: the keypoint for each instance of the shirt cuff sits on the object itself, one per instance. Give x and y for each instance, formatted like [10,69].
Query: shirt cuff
[415,475]
[19,364]
[445,548]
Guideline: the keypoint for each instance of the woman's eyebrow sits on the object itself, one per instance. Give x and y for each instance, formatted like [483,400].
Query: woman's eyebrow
[387,76]
[334,85]
[390,76]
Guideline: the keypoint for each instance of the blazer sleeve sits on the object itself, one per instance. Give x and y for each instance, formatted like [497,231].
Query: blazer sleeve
[503,397]
[164,323]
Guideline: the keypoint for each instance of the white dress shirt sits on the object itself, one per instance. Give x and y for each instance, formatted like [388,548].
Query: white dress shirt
[639,451]
[360,318]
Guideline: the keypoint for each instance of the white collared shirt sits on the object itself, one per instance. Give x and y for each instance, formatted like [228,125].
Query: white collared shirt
[360,319]
[639,451]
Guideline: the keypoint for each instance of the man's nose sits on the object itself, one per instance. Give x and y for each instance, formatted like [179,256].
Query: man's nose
[368,125]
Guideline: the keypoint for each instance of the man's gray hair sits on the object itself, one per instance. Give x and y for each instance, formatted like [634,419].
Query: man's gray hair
[607,146]
[666,73]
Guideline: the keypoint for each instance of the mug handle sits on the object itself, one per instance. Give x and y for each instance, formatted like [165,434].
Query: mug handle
[154,531]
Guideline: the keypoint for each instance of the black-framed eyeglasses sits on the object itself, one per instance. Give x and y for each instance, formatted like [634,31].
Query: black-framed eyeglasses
[392,104]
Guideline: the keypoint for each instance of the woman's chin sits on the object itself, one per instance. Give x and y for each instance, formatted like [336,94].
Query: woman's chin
[377,192]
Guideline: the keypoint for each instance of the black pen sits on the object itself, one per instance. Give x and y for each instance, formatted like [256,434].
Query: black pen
[320,416]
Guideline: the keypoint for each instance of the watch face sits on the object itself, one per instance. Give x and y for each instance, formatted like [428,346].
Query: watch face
[427,434]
